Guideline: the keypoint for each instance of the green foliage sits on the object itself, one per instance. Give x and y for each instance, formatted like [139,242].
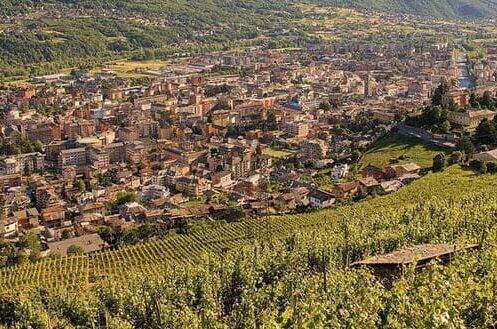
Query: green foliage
[440,91]
[326,106]
[465,145]
[130,236]
[20,147]
[437,8]
[75,251]
[122,198]
[486,133]
[482,169]
[108,178]
[455,158]
[439,163]
[17,253]
[402,148]
[432,118]
[81,185]
[116,29]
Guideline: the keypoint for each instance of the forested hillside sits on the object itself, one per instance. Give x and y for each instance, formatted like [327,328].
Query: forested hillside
[437,8]
[51,35]
[40,37]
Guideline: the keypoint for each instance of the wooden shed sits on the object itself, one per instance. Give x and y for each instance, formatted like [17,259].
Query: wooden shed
[391,264]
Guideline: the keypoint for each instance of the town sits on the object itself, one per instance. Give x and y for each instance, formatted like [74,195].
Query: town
[224,136]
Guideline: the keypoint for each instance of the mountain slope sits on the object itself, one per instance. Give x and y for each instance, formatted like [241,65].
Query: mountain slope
[436,8]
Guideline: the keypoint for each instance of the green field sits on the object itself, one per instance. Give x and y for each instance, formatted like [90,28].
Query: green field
[404,149]
[128,68]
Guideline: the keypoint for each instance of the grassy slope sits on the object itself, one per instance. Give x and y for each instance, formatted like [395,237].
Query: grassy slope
[395,145]
[449,187]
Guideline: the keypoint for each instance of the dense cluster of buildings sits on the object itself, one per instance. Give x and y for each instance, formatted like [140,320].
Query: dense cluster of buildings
[188,135]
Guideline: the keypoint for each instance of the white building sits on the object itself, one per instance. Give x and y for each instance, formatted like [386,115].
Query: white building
[340,171]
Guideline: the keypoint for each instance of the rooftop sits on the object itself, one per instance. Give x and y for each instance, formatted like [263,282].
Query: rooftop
[89,243]
[415,254]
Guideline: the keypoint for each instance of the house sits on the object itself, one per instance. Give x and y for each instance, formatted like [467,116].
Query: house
[301,195]
[388,187]
[374,172]
[285,202]
[192,185]
[89,243]
[154,192]
[131,210]
[92,208]
[402,169]
[53,216]
[346,190]
[321,199]
[458,97]
[27,218]
[8,228]
[340,171]
[471,118]
[488,156]
[408,179]
[368,184]
[313,149]
[221,179]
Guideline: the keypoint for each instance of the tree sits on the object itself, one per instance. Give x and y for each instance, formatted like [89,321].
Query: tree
[486,100]
[455,157]
[75,251]
[326,106]
[473,100]
[452,106]
[122,198]
[38,146]
[465,145]
[81,185]
[356,155]
[482,167]
[439,163]
[439,92]
[66,234]
[486,133]
[446,127]
[31,242]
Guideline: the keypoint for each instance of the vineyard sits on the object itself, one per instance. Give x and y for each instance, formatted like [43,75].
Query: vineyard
[187,249]
[288,272]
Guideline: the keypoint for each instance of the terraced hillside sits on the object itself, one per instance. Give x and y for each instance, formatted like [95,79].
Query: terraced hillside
[433,197]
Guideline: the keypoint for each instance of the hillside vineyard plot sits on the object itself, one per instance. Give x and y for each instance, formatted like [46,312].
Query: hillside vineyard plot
[443,203]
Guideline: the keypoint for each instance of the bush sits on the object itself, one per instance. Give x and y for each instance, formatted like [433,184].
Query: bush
[75,251]
[492,167]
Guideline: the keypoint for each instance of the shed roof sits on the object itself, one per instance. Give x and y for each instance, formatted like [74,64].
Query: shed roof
[415,254]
